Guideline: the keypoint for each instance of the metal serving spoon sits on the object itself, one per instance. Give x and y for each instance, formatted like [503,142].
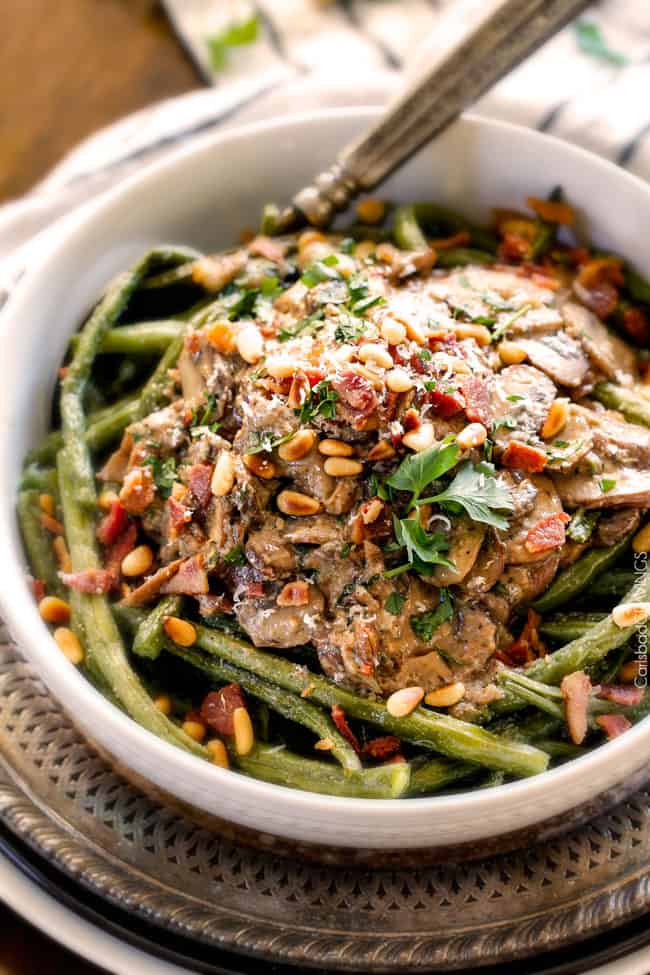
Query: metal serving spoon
[502,33]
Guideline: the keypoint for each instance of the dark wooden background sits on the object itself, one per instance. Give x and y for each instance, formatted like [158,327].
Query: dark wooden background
[68,67]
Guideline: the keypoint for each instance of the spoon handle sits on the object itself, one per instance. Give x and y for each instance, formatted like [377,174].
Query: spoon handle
[501,34]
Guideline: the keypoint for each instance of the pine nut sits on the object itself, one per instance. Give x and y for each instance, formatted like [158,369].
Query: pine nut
[335,448]
[342,467]
[419,439]
[373,377]
[218,753]
[629,672]
[446,697]
[399,381]
[46,504]
[106,500]
[164,704]
[250,344]
[297,504]
[510,353]
[467,330]
[180,631]
[62,554]
[404,701]
[243,730]
[371,510]
[556,419]
[54,610]
[382,451]
[137,562]
[68,642]
[392,331]
[299,445]
[222,336]
[473,435]
[260,465]
[281,368]
[371,210]
[195,729]
[641,541]
[416,332]
[324,745]
[630,614]
[377,354]
[311,236]
[223,476]
[364,249]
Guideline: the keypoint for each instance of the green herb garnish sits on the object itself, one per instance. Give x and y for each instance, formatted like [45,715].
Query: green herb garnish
[581,526]
[349,328]
[307,325]
[424,625]
[164,473]
[320,401]
[235,556]
[476,491]
[416,472]
[607,484]
[591,41]
[395,603]
[320,271]
[236,34]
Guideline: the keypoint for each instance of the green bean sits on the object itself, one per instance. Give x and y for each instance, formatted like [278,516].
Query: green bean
[616,582]
[93,619]
[462,256]
[637,285]
[38,543]
[436,774]
[175,275]
[364,231]
[37,478]
[407,231]
[527,696]
[270,218]
[430,729]
[150,637]
[634,408]
[291,706]
[275,763]
[129,618]
[141,338]
[562,750]
[438,221]
[104,426]
[577,577]
[568,626]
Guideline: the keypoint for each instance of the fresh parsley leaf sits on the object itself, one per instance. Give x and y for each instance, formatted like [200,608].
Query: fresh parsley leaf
[306,325]
[201,417]
[607,484]
[345,550]
[236,34]
[264,441]
[235,556]
[507,422]
[425,355]
[581,526]
[514,398]
[164,474]
[591,41]
[244,305]
[395,603]
[320,401]
[349,328]
[318,272]
[419,544]
[476,491]
[271,287]
[347,245]
[416,472]
[366,303]
[424,625]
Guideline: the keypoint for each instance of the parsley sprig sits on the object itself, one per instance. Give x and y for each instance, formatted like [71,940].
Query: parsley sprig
[424,625]
[320,401]
[476,491]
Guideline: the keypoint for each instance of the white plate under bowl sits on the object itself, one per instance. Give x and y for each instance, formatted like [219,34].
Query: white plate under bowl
[203,195]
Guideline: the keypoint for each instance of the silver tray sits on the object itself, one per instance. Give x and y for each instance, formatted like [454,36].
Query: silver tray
[139,854]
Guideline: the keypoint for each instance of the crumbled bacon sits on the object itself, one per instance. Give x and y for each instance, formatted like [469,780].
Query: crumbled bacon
[576,690]
[637,326]
[548,533]
[112,524]
[613,724]
[191,578]
[445,405]
[255,589]
[138,490]
[477,400]
[199,477]
[341,722]
[38,589]
[94,581]
[522,457]
[528,646]
[356,392]
[597,284]
[380,749]
[298,390]
[411,421]
[219,706]
[628,695]
[120,548]
[179,516]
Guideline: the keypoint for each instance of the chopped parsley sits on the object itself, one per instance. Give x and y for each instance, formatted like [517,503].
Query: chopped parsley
[345,550]
[424,625]
[320,401]
[606,484]
[320,271]
[347,245]
[306,325]
[591,41]
[360,298]
[264,441]
[506,325]
[423,549]
[395,603]
[236,34]
[514,398]
[581,526]
[349,328]
[244,305]
[484,320]
[506,422]
[235,556]
[164,474]
[201,417]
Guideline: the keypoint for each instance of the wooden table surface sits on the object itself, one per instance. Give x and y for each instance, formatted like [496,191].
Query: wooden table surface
[66,68]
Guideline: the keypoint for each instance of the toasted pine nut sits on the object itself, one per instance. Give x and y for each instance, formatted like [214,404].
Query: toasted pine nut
[195,729]
[371,210]
[556,418]
[54,610]
[342,467]
[629,614]
[164,704]
[376,354]
[62,554]
[510,353]
[364,249]
[68,642]
[381,451]
[404,701]
[311,236]
[335,448]
[218,753]
[399,381]
[467,330]
[180,631]
[243,731]
[473,435]
[373,377]
[294,593]
[46,504]
[629,672]
[280,367]
[416,332]
[299,445]
[137,562]
[250,343]
[297,504]
[447,696]
[260,465]
[419,439]
[324,745]
[222,336]
[371,510]
[106,500]
[387,253]
[641,541]
[223,476]
[392,331]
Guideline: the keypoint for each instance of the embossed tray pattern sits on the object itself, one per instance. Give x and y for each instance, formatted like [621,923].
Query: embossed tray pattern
[65,801]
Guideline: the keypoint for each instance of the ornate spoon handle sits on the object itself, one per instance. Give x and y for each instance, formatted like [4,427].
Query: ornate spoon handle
[501,34]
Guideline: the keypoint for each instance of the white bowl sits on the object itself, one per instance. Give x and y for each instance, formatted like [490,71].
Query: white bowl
[203,195]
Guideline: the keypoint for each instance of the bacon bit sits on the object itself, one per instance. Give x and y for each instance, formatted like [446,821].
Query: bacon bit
[528,646]
[380,749]
[120,548]
[356,392]
[548,533]
[514,248]
[477,400]
[445,405]
[637,325]
[341,722]
[597,284]
[51,524]
[38,589]
[138,490]
[395,760]
[179,516]
[461,239]
[314,375]
[602,299]
[255,589]
[219,706]
[198,479]
[628,696]
[552,211]
[190,580]
[411,421]
[613,724]
[294,594]
[522,457]
[94,581]
[417,364]
[576,689]
[152,586]
[113,524]
[389,407]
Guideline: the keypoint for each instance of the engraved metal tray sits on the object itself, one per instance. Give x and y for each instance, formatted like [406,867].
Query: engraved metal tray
[163,869]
